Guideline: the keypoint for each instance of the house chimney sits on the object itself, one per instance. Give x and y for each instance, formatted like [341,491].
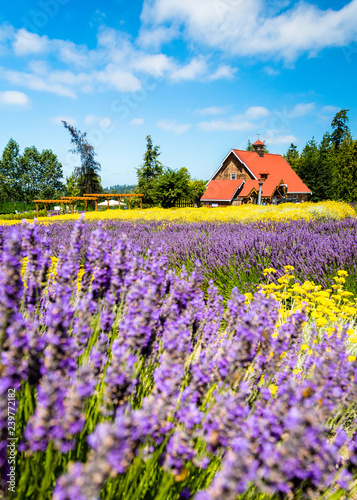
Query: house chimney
[258,147]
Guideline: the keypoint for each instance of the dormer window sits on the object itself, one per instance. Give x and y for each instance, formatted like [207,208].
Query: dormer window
[264,176]
[233,177]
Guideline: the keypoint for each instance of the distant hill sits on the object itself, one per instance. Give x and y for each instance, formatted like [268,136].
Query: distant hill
[120,188]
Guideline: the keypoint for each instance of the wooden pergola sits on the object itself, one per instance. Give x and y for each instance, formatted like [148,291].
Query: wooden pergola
[48,202]
[71,199]
[118,195]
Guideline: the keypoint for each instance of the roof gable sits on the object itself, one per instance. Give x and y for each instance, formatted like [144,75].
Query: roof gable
[234,152]
[277,168]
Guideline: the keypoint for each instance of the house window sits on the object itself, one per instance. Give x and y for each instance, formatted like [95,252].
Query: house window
[233,177]
[264,176]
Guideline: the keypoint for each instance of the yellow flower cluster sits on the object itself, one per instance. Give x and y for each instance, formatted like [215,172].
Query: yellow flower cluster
[243,213]
[328,309]
[52,272]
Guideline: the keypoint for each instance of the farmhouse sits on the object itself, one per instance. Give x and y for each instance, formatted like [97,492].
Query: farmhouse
[242,174]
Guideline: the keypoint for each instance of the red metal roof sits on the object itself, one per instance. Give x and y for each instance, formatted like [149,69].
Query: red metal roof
[277,168]
[222,190]
[258,143]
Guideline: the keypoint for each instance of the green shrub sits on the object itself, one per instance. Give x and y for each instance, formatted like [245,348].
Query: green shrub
[25,215]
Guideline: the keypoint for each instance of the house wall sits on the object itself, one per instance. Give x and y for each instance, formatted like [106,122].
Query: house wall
[233,166]
[208,204]
[301,197]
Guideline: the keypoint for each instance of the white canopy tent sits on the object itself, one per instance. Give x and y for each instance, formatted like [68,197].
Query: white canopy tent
[112,203]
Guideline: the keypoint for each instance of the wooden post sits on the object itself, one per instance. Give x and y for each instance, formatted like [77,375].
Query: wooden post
[85,201]
[141,203]
[108,201]
[46,209]
[37,210]
[96,205]
[71,206]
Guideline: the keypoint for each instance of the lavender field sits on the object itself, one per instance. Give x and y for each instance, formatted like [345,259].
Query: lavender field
[134,367]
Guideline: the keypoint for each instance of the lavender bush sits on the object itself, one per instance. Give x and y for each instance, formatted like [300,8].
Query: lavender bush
[316,249]
[133,383]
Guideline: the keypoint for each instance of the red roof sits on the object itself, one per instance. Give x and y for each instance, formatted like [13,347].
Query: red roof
[222,190]
[277,168]
[258,143]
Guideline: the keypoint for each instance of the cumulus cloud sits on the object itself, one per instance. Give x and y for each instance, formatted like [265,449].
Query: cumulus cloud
[14,98]
[26,43]
[281,140]
[156,65]
[302,110]
[253,117]
[173,126]
[116,63]
[257,27]
[213,110]
[155,38]
[193,70]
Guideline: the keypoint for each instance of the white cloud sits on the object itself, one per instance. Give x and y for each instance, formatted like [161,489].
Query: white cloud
[6,34]
[45,83]
[281,139]
[118,79]
[256,112]
[271,71]
[103,121]
[116,63]
[71,54]
[26,43]
[191,71]
[330,110]
[213,110]
[255,29]
[226,125]
[226,72]
[156,65]
[14,98]
[137,121]
[253,118]
[57,120]
[155,38]
[173,126]
[301,110]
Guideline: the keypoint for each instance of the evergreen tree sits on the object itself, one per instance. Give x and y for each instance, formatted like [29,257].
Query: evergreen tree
[292,157]
[149,172]
[11,172]
[309,165]
[347,170]
[71,186]
[249,146]
[325,180]
[87,174]
[340,128]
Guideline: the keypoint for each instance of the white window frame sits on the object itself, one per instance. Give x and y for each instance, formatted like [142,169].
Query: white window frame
[233,178]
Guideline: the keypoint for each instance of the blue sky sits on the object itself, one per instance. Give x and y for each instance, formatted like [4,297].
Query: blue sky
[201,77]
